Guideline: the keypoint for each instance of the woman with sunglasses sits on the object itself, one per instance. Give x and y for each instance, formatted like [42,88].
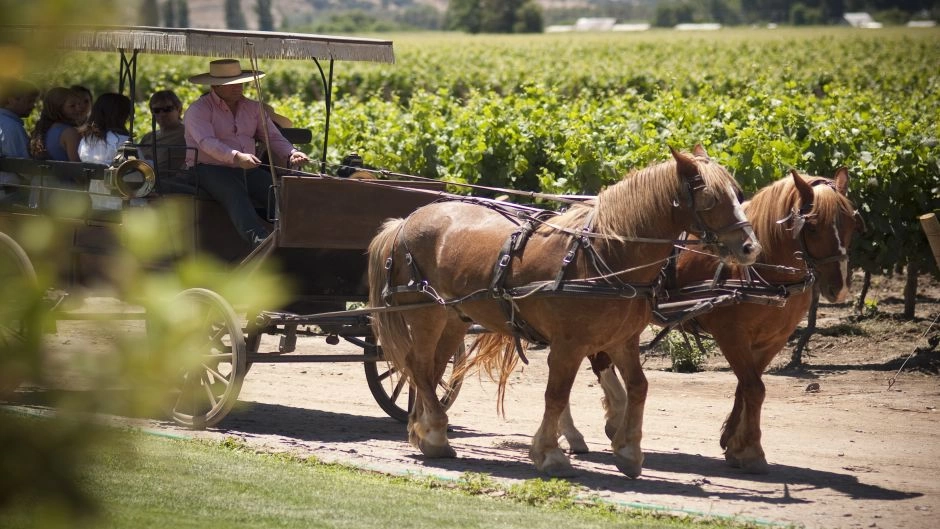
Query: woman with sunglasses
[165,145]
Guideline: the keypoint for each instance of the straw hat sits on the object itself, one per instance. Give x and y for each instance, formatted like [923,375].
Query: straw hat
[224,72]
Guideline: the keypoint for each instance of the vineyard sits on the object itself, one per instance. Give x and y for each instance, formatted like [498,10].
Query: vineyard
[570,113]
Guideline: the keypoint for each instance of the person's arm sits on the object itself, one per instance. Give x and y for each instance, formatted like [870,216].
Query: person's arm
[69,141]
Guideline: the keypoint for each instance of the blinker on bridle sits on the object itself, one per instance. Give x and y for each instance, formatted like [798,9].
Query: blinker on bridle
[707,235]
[799,216]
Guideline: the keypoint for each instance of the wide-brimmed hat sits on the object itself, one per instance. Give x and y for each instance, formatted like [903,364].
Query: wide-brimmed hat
[225,71]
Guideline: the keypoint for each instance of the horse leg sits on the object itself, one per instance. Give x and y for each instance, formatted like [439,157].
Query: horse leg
[614,401]
[563,363]
[732,423]
[741,433]
[570,432]
[626,441]
[427,422]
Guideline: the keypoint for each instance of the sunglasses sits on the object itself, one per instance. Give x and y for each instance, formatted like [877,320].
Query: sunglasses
[160,110]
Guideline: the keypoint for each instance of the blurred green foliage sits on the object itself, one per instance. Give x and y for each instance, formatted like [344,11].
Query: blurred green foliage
[129,368]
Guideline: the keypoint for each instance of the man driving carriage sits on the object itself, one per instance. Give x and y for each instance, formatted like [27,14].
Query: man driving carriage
[223,126]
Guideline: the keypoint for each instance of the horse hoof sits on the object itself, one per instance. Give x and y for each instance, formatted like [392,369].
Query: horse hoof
[557,465]
[755,466]
[437,451]
[631,467]
[578,446]
[732,461]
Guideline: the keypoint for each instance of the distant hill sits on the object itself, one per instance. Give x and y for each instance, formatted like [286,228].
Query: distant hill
[211,13]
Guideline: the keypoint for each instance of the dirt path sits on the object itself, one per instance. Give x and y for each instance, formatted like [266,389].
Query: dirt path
[853,454]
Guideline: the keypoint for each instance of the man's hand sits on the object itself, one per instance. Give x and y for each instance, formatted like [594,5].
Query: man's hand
[297,158]
[247,161]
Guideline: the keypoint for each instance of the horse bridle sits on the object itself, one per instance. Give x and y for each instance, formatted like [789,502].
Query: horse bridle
[706,234]
[799,221]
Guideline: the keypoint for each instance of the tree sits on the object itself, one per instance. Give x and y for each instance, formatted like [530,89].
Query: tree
[670,14]
[420,16]
[182,13]
[463,15]
[234,18]
[529,19]
[169,14]
[149,13]
[265,19]
[494,16]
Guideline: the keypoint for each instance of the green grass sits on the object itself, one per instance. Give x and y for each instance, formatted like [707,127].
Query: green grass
[149,481]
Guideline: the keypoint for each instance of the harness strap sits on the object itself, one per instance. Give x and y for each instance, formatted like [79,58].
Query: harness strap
[514,245]
[572,251]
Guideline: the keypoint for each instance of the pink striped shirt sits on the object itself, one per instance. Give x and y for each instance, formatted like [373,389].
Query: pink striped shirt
[218,134]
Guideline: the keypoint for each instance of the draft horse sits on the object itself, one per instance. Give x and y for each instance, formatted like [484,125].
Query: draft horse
[805,226]
[579,281]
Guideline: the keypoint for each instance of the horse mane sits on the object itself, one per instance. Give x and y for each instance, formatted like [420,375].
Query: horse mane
[776,202]
[640,198]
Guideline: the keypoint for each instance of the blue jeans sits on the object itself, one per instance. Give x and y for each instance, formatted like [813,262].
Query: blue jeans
[239,191]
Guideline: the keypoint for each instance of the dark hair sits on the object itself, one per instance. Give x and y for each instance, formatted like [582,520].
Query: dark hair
[109,113]
[82,89]
[52,112]
[166,95]
[10,88]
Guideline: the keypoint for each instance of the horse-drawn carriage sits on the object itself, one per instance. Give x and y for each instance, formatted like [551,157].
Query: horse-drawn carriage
[322,224]
[582,281]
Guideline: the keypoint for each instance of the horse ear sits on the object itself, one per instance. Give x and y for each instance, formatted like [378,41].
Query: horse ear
[698,150]
[842,180]
[803,188]
[685,165]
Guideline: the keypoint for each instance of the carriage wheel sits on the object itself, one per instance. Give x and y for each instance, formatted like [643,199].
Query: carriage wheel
[204,394]
[18,291]
[396,397]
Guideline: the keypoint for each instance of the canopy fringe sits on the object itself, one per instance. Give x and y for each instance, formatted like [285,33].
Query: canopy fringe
[217,43]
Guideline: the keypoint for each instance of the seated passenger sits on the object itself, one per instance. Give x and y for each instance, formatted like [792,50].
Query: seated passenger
[17,100]
[85,100]
[55,136]
[106,129]
[223,125]
[170,153]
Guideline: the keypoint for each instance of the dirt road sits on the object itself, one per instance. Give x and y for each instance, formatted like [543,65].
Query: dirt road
[853,454]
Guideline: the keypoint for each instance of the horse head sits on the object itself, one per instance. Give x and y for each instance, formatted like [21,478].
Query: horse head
[713,199]
[823,225]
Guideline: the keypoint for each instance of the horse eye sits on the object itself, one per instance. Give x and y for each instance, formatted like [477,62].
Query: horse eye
[709,200]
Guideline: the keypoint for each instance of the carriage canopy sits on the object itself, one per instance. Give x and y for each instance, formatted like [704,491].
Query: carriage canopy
[209,42]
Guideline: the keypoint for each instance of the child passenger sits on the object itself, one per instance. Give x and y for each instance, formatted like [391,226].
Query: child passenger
[106,129]
[55,136]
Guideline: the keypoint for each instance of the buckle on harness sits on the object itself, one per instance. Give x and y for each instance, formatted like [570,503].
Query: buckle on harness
[504,260]
[569,257]
[388,263]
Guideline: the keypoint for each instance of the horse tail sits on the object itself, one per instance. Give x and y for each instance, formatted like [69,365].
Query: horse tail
[496,355]
[389,327]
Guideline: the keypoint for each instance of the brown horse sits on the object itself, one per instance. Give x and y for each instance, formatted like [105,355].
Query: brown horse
[805,226]
[579,281]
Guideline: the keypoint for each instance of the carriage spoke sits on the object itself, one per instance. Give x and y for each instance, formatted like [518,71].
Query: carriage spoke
[397,391]
[391,371]
[208,386]
[215,374]
[445,385]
